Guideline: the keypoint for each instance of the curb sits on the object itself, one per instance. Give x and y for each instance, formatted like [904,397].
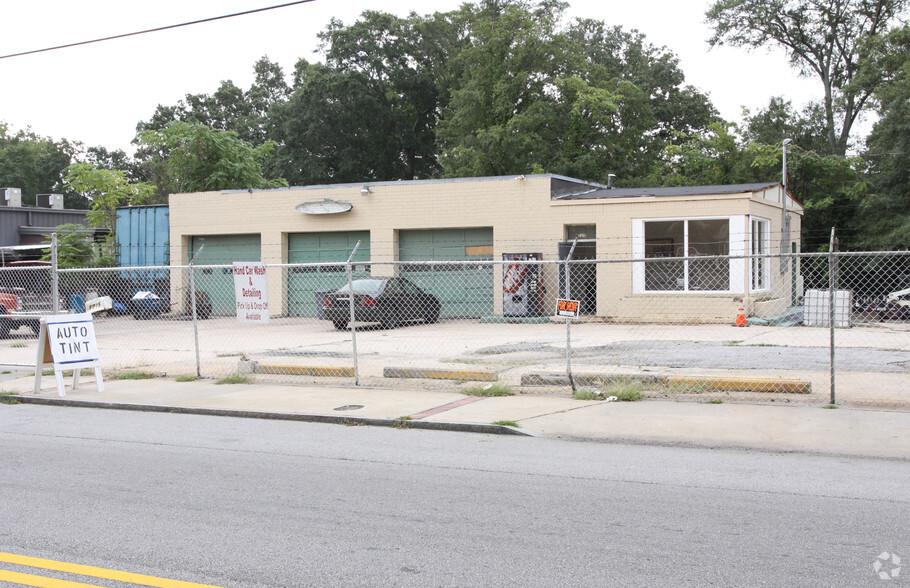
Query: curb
[284,416]
[698,383]
[440,374]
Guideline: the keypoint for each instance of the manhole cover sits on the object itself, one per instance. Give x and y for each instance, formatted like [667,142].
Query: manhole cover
[350,407]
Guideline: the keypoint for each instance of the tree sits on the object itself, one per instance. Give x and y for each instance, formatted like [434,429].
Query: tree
[229,108]
[822,38]
[75,249]
[332,130]
[583,99]
[885,212]
[779,121]
[714,157]
[194,157]
[35,164]
[106,190]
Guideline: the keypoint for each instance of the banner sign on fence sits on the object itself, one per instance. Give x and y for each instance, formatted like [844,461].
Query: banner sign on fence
[567,308]
[251,292]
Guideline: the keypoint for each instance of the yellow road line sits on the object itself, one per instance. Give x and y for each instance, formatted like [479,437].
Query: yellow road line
[40,581]
[59,566]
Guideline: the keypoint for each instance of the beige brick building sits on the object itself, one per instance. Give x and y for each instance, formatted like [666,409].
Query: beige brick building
[469,219]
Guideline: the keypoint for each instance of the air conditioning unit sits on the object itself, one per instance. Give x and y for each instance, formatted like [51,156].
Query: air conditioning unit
[49,201]
[11,197]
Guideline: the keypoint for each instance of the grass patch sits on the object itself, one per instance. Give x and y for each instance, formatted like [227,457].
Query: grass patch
[506,423]
[587,394]
[628,395]
[624,389]
[7,397]
[186,378]
[236,379]
[83,372]
[732,343]
[230,355]
[18,345]
[405,418]
[132,376]
[6,372]
[714,401]
[830,406]
[489,390]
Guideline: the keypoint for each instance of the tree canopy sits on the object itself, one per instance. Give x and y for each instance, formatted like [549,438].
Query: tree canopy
[502,87]
[195,157]
[822,38]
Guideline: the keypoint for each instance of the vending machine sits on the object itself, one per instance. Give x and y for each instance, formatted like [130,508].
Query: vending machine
[522,288]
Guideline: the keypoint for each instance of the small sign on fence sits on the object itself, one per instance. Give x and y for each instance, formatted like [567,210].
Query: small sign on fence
[567,308]
[251,292]
[67,342]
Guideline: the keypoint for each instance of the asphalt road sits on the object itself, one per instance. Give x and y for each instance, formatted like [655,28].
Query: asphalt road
[255,503]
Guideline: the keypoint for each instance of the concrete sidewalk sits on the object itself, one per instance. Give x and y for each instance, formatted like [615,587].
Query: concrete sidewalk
[798,428]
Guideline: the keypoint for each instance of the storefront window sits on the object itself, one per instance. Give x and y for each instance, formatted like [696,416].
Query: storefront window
[687,240]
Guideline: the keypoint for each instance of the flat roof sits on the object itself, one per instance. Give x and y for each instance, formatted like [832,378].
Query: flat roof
[670,191]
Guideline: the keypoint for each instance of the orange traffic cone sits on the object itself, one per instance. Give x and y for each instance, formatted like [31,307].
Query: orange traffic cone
[741,315]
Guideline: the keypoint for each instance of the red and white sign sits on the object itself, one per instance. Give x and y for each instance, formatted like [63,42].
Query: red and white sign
[251,292]
[567,308]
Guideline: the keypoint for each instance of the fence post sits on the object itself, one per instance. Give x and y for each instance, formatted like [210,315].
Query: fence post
[55,279]
[569,320]
[349,268]
[832,288]
[193,305]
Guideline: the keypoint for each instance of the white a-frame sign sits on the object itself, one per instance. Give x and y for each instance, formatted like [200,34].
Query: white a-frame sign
[67,342]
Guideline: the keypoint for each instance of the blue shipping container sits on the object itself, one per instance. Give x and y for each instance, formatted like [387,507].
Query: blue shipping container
[143,239]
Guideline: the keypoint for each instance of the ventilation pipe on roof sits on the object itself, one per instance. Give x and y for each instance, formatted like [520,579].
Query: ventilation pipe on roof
[610,181]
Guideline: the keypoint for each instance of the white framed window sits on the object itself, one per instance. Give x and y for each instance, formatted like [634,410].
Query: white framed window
[760,244]
[691,246]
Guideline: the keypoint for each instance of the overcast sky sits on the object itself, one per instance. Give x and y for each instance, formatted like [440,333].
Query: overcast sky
[97,93]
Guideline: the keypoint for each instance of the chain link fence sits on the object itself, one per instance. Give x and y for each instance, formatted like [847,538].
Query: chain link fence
[813,328]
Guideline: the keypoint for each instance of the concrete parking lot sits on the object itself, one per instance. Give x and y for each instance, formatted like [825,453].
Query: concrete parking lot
[872,360]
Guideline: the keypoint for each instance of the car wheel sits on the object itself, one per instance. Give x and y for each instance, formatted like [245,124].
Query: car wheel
[432,316]
[340,325]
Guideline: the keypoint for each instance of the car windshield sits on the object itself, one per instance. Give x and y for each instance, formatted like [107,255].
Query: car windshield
[369,286]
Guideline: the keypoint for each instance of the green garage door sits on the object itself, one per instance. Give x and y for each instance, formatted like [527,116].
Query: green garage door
[463,290]
[304,283]
[222,250]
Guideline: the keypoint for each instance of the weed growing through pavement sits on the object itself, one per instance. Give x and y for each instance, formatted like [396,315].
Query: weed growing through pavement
[236,379]
[714,401]
[506,423]
[624,389]
[402,422]
[186,378]
[830,406]
[9,397]
[132,376]
[18,345]
[587,394]
[489,390]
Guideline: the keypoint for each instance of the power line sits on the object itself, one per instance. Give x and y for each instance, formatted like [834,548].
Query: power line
[155,30]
